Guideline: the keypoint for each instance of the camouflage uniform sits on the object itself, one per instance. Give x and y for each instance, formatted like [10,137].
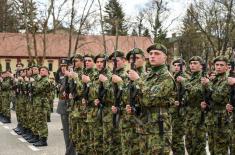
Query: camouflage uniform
[157,88]
[178,126]
[195,129]
[89,109]
[218,125]
[131,139]
[41,105]
[7,93]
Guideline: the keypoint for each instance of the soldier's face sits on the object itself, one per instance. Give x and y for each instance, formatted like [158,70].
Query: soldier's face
[43,72]
[120,62]
[195,66]
[139,60]
[89,62]
[78,63]
[176,67]
[157,58]
[63,69]
[18,67]
[99,63]
[35,70]
[220,67]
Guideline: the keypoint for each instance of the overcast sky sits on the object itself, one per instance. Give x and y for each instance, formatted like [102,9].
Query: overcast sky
[131,8]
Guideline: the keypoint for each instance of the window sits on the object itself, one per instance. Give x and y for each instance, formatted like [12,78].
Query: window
[8,64]
[50,66]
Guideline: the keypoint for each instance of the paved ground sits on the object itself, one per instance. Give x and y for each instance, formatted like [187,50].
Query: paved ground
[11,144]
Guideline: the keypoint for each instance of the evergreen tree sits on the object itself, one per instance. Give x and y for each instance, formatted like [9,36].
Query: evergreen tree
[8,19]
[114,16]
[134,33]
[146,33]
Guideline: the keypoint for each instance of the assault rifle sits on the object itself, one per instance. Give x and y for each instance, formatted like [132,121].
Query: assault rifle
[102,91]
[85,86]
[117,95]
[206,93]
[133,92]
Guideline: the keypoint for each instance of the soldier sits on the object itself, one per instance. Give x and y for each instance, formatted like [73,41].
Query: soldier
[195,125]
[62,109]
[41,105]
[90,75]
[19,99]
[103,104]
[119,94]
[1,79]
[230,110]
[7,93]
[157,88]
[19,67]
[75,100]
[178,113]
[131,139]
[218,125]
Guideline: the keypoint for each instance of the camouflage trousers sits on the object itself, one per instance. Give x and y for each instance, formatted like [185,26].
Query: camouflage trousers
[6,103]
[195,133]
[178,131]
[219,133]
[41,108]
[0,104]
[151,140]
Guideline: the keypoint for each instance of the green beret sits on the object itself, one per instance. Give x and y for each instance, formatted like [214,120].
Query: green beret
[77,56]
[44,68]
[118,54]
[196,58]
[157,46]
[220,58]
[100,56]
[89,56]
[179,60]
[35,65]
[136,51]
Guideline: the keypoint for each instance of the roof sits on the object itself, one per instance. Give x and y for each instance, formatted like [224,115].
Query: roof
[15,45]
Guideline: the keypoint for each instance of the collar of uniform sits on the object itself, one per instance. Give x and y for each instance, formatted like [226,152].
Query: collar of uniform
[140,70]
[221,75]
[156,69]
[195,75]
[77,69]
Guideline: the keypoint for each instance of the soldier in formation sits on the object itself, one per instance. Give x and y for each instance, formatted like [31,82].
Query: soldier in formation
[110,107]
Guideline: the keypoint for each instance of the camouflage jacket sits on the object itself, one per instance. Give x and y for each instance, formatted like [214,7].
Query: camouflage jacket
[157,87]
[220,91]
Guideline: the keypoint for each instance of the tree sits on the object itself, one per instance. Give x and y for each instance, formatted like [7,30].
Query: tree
[8,18]
[191,41]
[146,33]
[114,15]
[155,14]
[215,20]
[134,33]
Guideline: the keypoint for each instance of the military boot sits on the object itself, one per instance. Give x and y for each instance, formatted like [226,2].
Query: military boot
[34,139]
[42,142]
[48,118]
[1,117]
[29,136]
[26,133]
[6,120]
[18,128]
[22,131]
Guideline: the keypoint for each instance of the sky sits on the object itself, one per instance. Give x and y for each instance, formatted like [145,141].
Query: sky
[131,8]
[177,10]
